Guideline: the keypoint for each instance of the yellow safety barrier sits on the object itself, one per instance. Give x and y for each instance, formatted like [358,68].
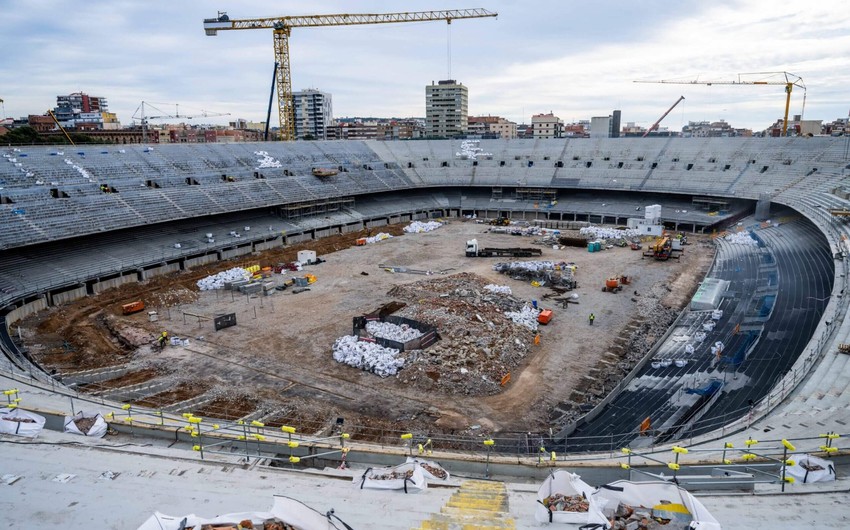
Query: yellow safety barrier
[750,442]
[626,451]
[292,445]
[196,448]
[489,443]
[256,423]
[673,465]
[788,445]
[286,428]
[406,436]
[294,459]
[679,450]
[625,466]
[126,407]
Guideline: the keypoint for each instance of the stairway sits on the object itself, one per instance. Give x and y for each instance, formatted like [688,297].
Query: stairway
[477,505]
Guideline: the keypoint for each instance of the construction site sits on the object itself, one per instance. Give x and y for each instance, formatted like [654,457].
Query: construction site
[484,374]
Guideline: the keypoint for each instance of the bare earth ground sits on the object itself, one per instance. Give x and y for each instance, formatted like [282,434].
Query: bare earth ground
[276,363]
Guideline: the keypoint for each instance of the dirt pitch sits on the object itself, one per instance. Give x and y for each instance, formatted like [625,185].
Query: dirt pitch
[276,363]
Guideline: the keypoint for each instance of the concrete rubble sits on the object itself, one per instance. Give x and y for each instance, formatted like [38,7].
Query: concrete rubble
[380,236]
[478,343]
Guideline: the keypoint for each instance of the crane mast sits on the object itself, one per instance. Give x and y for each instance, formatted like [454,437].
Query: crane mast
[282,29]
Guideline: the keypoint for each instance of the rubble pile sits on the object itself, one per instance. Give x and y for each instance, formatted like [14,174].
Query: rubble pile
[546,273]
[388,330]
[367,356]
[740,238]
[592,233]
[417,227]
[478,343]
[217,281]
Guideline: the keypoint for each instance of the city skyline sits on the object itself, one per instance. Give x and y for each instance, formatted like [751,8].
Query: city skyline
[576,62]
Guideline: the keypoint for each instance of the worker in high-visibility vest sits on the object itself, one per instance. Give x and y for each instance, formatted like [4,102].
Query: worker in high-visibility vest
[591,318]
[163,340]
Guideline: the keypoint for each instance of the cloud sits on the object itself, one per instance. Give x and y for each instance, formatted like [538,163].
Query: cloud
[577,60]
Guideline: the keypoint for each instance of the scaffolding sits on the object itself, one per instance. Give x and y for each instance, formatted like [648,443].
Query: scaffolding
[536,194]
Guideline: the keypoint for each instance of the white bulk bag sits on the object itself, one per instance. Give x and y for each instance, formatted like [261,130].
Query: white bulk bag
[408,477]
[432,470]
[664,499]
[20,422]
[565,484]
[808,469]
[288,510]
[97,430]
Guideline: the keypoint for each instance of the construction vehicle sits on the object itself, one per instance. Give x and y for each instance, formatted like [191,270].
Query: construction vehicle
[282,27]
[500,221]
[663,249]
[615,284]
[474,251]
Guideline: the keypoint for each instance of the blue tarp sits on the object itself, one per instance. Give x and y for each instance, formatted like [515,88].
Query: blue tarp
[706,390]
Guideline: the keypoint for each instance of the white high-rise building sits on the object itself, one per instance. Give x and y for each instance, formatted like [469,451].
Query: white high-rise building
[446,109]
[313,114]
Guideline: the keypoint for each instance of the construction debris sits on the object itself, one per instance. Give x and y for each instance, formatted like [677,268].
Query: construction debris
[500,289]
[740,238]
[380,236]
[479,343]
[367,356]
[217,281]
[417,227]
[388,330]
[546,273]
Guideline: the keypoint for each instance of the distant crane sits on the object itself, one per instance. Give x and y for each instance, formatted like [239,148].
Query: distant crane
[655,125]
[282,27]
[140,115]
[789,81]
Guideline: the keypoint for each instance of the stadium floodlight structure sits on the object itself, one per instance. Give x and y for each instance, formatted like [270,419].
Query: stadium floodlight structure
[282,27]
[789,81]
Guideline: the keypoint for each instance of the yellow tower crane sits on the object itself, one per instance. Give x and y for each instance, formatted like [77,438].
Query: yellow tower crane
[789,81]
[282,27]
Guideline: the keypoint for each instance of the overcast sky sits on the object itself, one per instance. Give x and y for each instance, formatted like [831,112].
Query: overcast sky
[576,59]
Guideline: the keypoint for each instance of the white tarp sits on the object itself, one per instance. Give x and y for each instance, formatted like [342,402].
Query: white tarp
[432,470]
[808,469]
[285,509]
[80,422]
[20,422]
[663,499]
[562,486]
[408,477]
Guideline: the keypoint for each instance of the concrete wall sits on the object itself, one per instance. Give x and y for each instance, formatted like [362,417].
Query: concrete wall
[234,252]
[353,227]
[200,260]
[26,310]
[325,232]
[159,271]
[68,296]
[114,282]
[374,223]
[266,245]
[298,238]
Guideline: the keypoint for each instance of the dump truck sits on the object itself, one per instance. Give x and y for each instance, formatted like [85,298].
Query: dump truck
[473,251]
